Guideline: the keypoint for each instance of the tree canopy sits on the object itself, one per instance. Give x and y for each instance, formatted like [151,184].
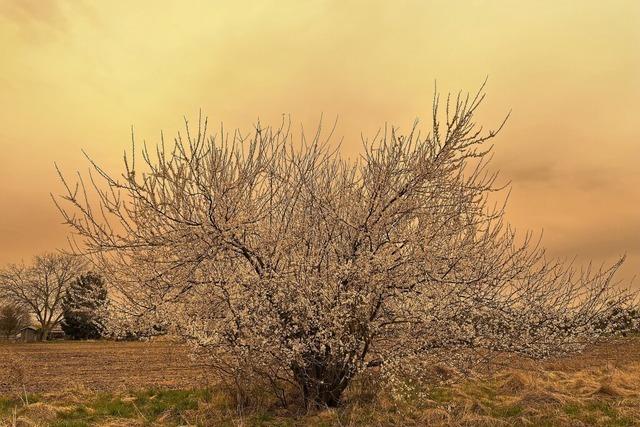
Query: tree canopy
[285,262]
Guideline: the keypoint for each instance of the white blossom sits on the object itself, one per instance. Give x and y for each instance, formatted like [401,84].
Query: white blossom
[281,260]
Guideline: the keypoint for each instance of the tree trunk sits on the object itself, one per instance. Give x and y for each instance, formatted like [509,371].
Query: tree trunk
[44,333]
[322,384]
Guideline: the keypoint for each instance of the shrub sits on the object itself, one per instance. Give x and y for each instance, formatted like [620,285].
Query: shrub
[290,264]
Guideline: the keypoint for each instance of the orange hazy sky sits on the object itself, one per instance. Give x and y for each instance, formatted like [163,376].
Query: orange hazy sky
[78,74]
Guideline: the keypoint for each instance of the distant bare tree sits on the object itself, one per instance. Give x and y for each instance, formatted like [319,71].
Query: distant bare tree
[13,317]
[287,263]
[41,286]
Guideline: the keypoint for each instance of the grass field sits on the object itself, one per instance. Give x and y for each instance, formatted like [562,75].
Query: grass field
[107,383]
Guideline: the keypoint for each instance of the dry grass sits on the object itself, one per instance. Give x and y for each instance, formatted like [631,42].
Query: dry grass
[599,387]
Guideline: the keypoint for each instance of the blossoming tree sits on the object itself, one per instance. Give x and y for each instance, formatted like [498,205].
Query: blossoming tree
[282,261]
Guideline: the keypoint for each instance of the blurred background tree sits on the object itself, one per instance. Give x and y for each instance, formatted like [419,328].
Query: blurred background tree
[81,307]
[13,317]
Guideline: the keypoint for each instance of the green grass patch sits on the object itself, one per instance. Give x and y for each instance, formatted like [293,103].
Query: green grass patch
[598,413]
[506,411]
[70,423]
[152,403]
[441,394]
[480,390]
[572,410]
[148,405]
[7,404]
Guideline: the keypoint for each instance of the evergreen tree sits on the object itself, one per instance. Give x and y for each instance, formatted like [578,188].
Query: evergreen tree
[81,305]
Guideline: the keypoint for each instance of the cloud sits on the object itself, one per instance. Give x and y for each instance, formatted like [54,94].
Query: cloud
[35,21]
[616,237]
[605,243]
[546,174]
[533,173]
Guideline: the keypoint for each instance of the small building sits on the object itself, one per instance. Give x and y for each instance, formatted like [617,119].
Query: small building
[27,334]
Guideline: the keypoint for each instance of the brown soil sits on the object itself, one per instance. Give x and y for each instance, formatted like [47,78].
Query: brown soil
[99,366]
[110,366]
